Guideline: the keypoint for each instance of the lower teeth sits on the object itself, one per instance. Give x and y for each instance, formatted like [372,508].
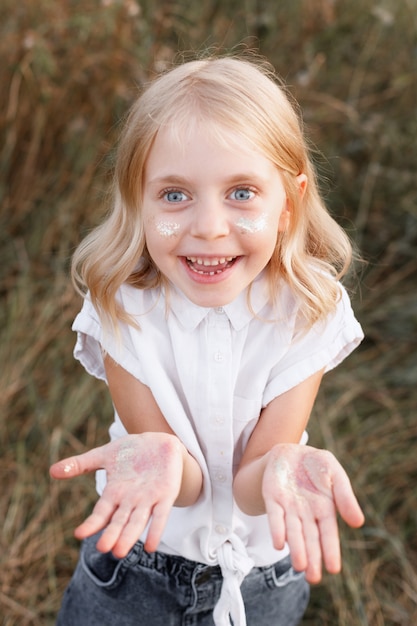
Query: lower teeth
[205,273]
[212,272]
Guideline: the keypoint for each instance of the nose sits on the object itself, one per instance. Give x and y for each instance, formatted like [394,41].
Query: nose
[210,221]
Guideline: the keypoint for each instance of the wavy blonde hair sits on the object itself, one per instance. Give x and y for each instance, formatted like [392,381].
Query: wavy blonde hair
[233,97]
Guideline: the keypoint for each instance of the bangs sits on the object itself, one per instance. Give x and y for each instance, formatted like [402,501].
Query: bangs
[224,132]
[231,99]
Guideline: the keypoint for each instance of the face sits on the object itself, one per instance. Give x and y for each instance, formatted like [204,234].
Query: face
[212,214]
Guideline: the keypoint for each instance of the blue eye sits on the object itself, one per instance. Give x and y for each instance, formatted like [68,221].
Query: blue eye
[242,194]
[174,196]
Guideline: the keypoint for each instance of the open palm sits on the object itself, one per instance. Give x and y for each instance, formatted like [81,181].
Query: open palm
[303,488]
[143,481]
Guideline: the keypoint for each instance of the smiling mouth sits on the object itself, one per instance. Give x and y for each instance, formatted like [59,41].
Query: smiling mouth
[209,266]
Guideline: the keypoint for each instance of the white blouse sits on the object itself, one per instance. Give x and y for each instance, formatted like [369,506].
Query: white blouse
[212,371]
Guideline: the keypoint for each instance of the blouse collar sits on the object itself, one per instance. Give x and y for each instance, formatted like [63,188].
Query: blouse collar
[239,312]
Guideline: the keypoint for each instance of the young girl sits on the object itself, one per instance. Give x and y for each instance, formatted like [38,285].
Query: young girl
[212,309]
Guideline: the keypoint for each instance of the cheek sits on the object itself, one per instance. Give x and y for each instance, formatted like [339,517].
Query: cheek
[161,236]
[160,231]
[249,226]
[260,233]
[167,228]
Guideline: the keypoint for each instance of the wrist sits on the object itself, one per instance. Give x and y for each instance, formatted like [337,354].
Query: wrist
[247,485]
[192,478]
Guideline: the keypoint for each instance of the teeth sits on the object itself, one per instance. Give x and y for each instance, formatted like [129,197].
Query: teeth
[206,262]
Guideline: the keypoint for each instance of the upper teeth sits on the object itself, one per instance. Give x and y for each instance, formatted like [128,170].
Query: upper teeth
[209,262]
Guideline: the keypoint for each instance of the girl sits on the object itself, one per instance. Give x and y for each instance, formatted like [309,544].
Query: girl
[212,309]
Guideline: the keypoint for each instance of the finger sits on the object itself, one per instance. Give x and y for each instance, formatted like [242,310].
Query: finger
[276,522]
[345,499]
[330,543]
[114,530]
[159,519]
[295,539]
[77,465]
[132,532]
[91,525]
[99,518]
[313,548]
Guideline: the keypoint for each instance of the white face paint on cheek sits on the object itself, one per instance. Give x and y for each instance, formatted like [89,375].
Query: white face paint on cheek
[249,226]
[167,229]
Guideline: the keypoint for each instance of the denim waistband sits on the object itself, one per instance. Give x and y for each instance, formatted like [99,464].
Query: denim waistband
[171,565]
[184,569]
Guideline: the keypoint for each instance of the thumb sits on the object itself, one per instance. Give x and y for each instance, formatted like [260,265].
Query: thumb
[77,465]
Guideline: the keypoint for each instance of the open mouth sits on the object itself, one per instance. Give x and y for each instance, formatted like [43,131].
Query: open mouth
[209,266]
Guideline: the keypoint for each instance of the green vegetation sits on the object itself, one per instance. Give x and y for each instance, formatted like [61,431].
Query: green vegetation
[68,72]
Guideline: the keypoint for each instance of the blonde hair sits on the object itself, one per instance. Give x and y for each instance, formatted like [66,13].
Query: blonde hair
[243,98]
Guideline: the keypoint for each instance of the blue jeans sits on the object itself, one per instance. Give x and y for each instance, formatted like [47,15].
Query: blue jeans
[162,590]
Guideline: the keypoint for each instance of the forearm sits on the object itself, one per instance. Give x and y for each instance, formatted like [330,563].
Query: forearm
[282,421]
[192,479]
[140,415]
[247,486]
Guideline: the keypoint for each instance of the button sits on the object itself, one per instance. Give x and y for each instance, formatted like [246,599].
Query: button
[219,357]
[219,477]
[220,530]
[219,419]
[219,310]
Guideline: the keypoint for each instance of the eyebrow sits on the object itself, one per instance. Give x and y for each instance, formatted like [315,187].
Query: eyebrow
[243,177]
[169,179]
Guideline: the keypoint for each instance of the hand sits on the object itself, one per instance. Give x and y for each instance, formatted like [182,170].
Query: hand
[144,474]
[303,488]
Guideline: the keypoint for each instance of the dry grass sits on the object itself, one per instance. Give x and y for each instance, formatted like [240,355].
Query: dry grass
[68,73]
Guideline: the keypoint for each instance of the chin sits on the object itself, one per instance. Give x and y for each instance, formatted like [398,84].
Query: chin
[209,302]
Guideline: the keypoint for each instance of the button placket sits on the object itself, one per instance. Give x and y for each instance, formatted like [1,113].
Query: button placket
[220,455]
[219,356]
[220,529]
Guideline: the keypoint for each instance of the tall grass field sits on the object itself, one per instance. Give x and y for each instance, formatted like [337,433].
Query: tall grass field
[69,71]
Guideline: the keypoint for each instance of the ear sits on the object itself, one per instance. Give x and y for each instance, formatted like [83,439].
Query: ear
[302,184]
[284,219]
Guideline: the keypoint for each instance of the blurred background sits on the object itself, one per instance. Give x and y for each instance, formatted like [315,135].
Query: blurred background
[69,70]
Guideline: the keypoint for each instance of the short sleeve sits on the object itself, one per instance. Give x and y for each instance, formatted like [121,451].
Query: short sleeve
[324,346]
[93,342]
[88,349]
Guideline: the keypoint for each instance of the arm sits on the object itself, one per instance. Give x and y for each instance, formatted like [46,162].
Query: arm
[140,413]
[299,487]
[282,421]
[148,472]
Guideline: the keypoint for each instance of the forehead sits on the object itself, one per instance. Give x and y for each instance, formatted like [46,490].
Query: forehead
[179,135]
[203,157]
[178,139]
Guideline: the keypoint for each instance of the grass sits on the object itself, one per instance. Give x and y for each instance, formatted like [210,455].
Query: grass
[69,71]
